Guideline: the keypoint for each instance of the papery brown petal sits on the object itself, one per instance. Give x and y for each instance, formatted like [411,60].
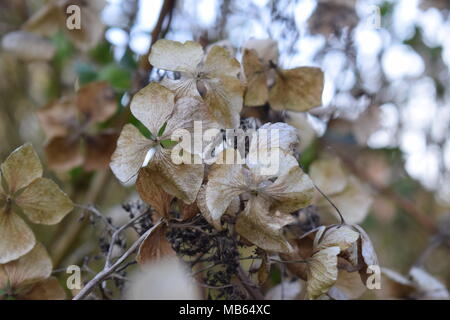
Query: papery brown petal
[367,250]
[176,56]
[274,135]
[64,153]
[188,211]
[224,96]
[298,89]
[129,156]
[155,247]
[341,236]
[219,63]
[44,202]
[99,150]
[32,267]
[201,203]
[226,182]
[293,189]
[266,49]
[152,193]
[262,228]
[16,238]
[328,175]
[322,272]
[257,92]
[96,101]
[180,180]
[48,289]
[58,118]
[21,168]
[153,106]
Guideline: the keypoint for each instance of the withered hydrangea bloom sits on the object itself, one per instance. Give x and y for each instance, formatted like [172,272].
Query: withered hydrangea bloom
[23,190]
[157,109]
[29,278]
[213,76]
[70,126]
[270,198]
[298,89]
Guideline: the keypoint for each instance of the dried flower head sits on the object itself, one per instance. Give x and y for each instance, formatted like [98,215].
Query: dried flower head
[23,190]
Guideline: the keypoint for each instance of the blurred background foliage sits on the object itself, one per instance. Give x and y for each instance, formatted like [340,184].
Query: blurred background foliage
[386,103]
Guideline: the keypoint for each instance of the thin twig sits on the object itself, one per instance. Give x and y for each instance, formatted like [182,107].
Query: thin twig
[107,271]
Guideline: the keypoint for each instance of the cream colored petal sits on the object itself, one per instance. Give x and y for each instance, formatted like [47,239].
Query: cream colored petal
[152,193]
[267,49]
[16,238]
[183,87]
[257,92]
[176,56]
[153,106]
[428,287]
[180,180]
[201,202]
[293,189]
[132,147]
[21,167]
[354,202]
[44,202]
[32,267]
[328,175]
[155,247]
[219,63]
[274,135]
[97,101]
[225,182]
[263,229]
[305,131]
[48,289]
[341,236]
[298,89]
[224,96]
[322,272]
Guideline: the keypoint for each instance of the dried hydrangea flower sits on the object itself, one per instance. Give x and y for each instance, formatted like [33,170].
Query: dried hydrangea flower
[23,190]
[53,17]
[213,76]
[270,198]
[29,278]
[298,89]
[69,124]
[156,108]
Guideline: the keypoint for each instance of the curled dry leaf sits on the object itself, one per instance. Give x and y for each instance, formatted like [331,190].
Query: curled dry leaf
[322,272]
[26,191]
[28,277]
[213,77]
[155,107]
[155,247]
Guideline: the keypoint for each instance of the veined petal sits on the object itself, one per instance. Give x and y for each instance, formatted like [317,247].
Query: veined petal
[21,168]
[225,182]
[257,92]
[274,135]
[44,202]
[263,229]
[153,106]
[32,267]
[341,236]
[16,238]
[176,56]
[266,49]
[293,189]
[298,89]
[155,247]
[219,63]
[322,272]
[132,147]
[180,180]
